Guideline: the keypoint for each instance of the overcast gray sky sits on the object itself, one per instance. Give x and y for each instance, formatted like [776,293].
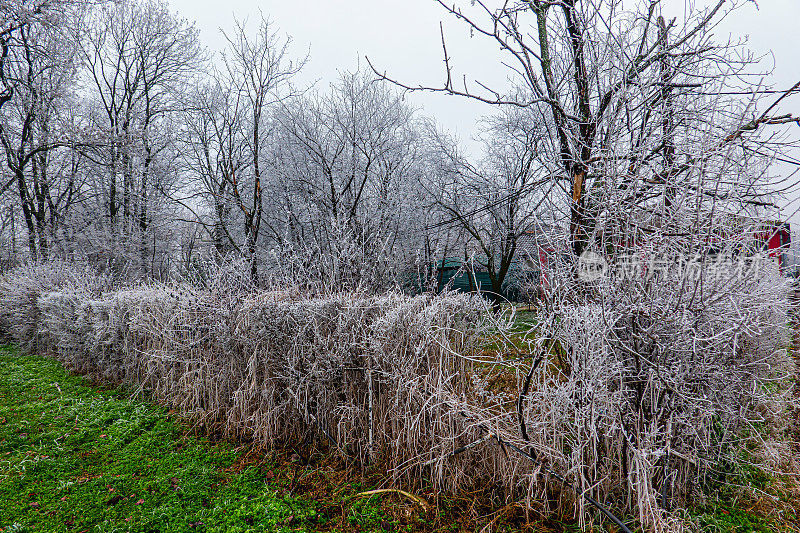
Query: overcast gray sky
[402,37]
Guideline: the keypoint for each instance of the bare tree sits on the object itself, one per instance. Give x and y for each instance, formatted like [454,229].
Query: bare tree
[349,167]
[616,88]
[15,16]
[214,156]
[140,58]
[38,71]
[497,201]
[256,74]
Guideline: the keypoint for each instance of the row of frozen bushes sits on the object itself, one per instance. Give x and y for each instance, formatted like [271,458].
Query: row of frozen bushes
[640,396]
[370,376]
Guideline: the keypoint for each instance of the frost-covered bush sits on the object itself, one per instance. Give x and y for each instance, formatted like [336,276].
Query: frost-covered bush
[62,322]
[633,390]
[364,371]
[21,289]
[651,384]
[372,377]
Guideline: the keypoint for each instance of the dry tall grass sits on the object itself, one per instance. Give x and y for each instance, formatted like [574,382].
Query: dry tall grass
[630,404]
[371,376]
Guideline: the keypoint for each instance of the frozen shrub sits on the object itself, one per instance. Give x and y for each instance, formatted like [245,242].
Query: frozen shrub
[21,288]
[633,393]
[649,387]
[370,376]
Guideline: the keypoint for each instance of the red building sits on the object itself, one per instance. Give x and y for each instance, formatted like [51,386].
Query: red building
[776,238]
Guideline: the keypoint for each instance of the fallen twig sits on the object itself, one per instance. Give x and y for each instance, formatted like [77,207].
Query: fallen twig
[416,499]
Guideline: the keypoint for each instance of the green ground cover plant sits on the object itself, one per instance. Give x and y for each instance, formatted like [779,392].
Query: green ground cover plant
[79,458]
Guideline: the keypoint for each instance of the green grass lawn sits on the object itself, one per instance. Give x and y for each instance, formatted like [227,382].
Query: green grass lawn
[77,458]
